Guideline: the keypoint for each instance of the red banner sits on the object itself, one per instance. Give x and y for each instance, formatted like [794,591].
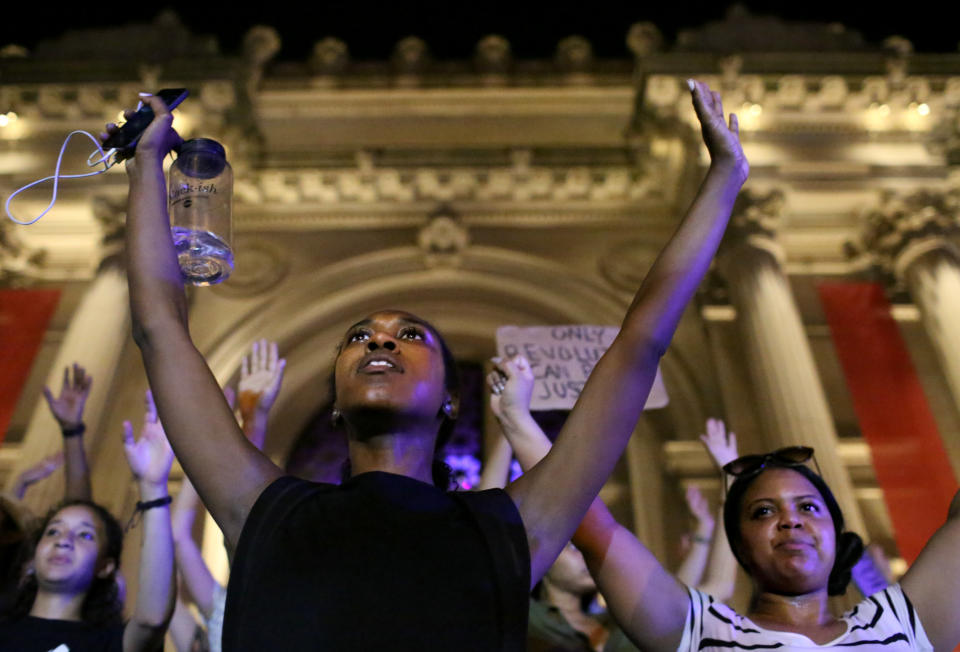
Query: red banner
[908,455]
[24,315]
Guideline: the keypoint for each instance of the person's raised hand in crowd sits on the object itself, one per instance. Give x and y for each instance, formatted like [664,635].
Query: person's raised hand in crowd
[721,445]
[67,407]
[150,458]
[700,509]
[511,387]
[36,473]
[694,561]
[720,573]
[261,374]
[511,383]
[721,136]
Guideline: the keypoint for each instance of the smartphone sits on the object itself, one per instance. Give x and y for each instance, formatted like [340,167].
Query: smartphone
[125,140]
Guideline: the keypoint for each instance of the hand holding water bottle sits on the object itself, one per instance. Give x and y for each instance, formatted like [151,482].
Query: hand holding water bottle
[199,195]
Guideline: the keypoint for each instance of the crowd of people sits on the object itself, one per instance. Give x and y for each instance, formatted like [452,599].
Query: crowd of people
[368,564]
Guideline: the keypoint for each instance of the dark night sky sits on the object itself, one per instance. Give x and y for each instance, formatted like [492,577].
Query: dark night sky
[452,28]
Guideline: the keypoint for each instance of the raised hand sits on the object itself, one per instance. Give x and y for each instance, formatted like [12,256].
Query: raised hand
[721,137]
[67,408]
[37,472]
[157,139]
[721,445]
[149,457]
[511,384]
[698,506]
[261,374]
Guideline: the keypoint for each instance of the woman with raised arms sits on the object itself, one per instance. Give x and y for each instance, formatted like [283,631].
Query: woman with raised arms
[388,560]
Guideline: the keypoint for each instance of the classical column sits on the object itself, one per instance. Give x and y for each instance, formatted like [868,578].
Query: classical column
[914,238]
[790,399]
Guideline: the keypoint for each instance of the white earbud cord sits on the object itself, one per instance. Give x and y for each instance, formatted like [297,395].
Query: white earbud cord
[105,159]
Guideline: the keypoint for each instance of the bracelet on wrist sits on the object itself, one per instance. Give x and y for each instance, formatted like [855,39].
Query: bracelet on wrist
[73,431]
[143,506]
[700,539]
[150,504]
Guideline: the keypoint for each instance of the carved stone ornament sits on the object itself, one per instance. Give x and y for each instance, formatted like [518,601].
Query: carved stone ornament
[902,225]
[755,220]
[945,138]
[259,266]
[411,55]
[443,239]
[330,57]
[110,212]
[643,39]
[18,263]
[574,54]
[493,55]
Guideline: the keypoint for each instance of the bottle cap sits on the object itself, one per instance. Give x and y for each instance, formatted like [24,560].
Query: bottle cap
[202,157]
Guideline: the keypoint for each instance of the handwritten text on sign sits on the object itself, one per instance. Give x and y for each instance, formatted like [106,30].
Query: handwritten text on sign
[562,358]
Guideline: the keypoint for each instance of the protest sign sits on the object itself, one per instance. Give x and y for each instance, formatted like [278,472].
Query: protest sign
[562,358]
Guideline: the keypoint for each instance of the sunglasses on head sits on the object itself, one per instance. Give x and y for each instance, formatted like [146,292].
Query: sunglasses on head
[750,465]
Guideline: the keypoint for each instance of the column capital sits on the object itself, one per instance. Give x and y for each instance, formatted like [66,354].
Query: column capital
[18,262]
[756,218]
[110,211]
[904,227]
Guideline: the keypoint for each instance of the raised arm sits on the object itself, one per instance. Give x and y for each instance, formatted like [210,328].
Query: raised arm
[694,562]
[496,460]
[261,374]
[184,630]
[197,579]
[36,473]
[933,582]
[227,470]
[720,576]
[67,409]
[150,458]
[646,600]
[553,496]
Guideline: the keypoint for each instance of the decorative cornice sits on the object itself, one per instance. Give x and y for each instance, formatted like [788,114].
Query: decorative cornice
[904,226]
[520,182]
[876,102]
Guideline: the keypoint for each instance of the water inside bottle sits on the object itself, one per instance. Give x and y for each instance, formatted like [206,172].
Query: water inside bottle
[204,258]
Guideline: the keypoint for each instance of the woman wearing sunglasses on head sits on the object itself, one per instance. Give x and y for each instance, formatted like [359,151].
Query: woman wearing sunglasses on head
[787,531]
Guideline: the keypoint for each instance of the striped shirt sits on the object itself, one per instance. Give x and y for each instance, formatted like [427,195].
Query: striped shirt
[884,621]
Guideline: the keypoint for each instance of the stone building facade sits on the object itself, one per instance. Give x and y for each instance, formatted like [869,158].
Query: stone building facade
[502,191]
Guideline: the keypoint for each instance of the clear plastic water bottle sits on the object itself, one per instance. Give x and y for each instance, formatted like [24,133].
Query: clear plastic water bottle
[200,192]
